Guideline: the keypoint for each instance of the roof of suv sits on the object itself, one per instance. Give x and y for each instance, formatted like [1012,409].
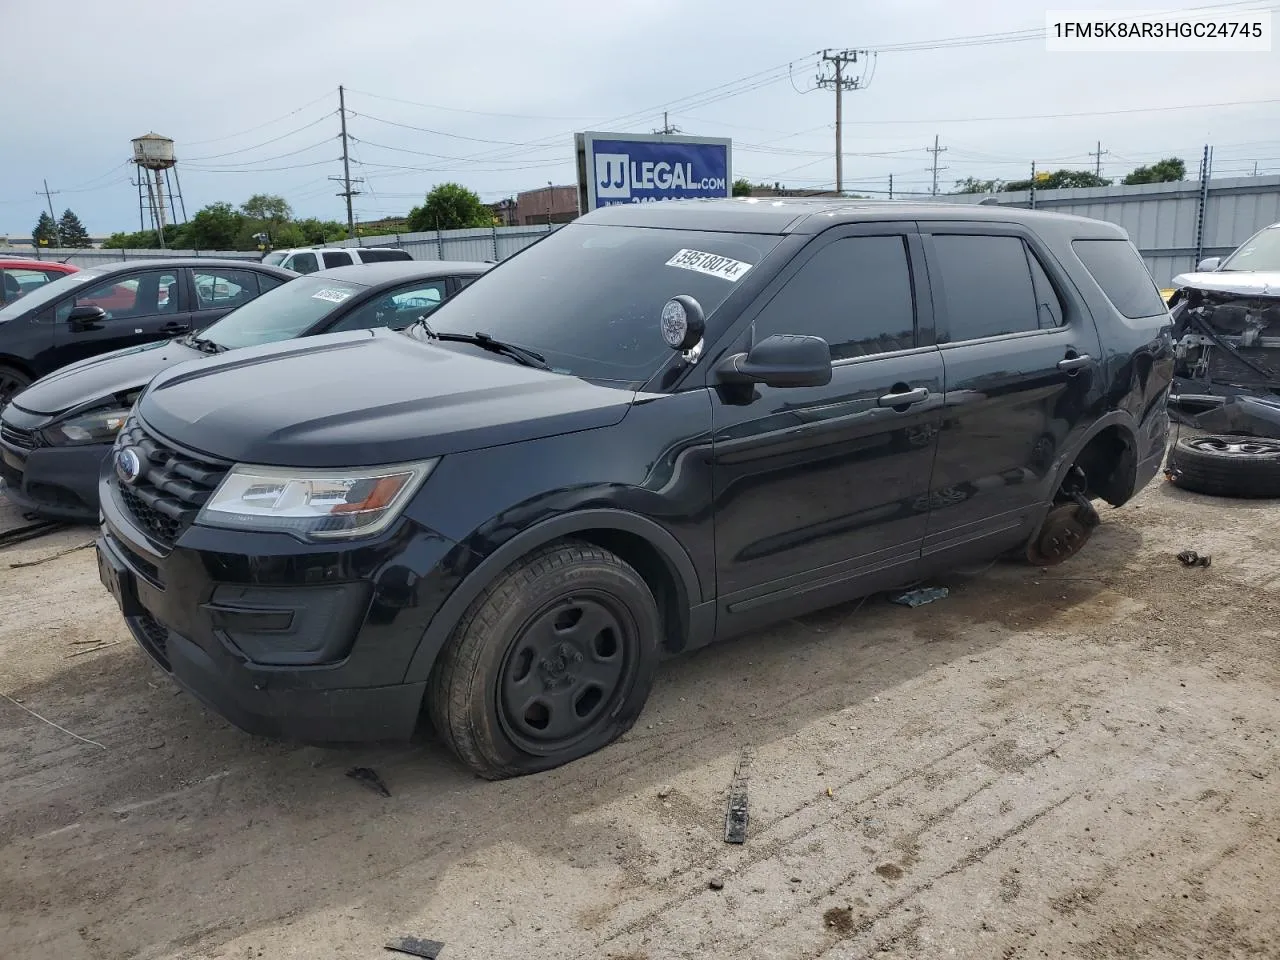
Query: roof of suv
[391,271]
[810,215]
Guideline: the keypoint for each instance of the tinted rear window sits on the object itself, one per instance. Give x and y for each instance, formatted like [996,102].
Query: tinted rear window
[1123,276]
[379,256]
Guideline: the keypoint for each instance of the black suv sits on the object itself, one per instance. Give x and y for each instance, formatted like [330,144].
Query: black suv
[660,425]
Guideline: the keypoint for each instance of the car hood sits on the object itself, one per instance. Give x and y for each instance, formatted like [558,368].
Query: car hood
[97,377]
[1245,284]
[366,398]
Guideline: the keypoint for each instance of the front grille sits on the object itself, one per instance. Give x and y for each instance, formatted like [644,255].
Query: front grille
[174,484]
[22,439]
[155,638]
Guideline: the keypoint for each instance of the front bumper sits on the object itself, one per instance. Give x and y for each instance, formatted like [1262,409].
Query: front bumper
[283,639]
[60,483]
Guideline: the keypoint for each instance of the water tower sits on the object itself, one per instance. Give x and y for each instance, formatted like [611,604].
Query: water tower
[154,156]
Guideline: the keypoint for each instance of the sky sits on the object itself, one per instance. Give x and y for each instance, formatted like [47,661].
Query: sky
[489,93]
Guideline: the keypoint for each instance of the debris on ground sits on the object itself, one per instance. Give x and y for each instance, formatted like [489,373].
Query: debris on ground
[1190,558]
[52,556]
[735,820]
[417,947]
[715,883]
[920,596]
[370,779]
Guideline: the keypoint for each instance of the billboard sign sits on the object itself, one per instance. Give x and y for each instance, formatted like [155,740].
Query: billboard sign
[618,168]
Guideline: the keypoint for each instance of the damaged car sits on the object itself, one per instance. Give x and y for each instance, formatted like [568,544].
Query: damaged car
[1227,374]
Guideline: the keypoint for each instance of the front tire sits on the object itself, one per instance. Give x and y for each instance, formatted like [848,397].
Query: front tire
[553,661]
[12,383]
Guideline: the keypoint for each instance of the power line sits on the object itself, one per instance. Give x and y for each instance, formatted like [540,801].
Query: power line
[232,136]
[264,143]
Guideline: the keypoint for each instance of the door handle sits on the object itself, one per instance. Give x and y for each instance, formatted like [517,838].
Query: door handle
[1075,363]
[173,326]
[904,398]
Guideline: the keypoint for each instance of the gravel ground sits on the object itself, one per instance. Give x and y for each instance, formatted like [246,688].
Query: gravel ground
[1078,763]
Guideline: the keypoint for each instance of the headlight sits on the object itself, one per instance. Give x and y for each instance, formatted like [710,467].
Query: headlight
[314,504]
[97,426]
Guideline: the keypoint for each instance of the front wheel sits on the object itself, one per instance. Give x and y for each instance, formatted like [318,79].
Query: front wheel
[12,383]
[554,660]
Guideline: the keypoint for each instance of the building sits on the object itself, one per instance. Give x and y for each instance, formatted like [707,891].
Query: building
[547,204]
[504,212]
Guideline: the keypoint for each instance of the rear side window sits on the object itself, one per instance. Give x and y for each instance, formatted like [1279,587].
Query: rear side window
[381,256]
[337,259]
[303,263]
[267,282]
[855,293]
[992,286]
[1123,276]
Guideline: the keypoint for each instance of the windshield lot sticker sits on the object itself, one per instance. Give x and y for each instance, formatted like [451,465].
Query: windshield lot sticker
[333,296]
[711,264]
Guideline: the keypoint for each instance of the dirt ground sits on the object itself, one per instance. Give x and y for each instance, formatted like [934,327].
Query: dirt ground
[1075,763]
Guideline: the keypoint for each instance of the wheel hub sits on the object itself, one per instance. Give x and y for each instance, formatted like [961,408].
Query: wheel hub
[564,672]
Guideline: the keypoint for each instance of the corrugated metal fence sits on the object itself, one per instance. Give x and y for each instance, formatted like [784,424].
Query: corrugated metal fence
[496,243]
[1175,225]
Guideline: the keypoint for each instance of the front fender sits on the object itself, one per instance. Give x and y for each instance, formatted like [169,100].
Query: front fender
[480,576]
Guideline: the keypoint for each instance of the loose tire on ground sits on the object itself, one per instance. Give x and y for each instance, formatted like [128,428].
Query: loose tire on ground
[554,660]
[12,382]
[1227,466]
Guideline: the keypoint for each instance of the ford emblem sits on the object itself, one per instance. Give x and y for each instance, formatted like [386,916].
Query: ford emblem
[128,465]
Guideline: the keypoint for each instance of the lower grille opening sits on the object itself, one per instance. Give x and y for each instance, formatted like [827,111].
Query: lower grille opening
[155,637]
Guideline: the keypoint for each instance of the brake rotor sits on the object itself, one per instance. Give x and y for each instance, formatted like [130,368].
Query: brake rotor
[1065,531]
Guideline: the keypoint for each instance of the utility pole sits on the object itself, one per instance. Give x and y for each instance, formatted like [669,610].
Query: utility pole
[891,186]
[346,166]
[840,83]
[48,196]
[935,150]
[667,128]
[1097,156]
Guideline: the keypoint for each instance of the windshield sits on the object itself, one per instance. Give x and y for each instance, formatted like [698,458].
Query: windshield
[589,297]
[49,292]
[283,313]
[1259,252]
[275,258]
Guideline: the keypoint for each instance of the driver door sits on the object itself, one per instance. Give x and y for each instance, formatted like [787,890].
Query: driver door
[141,307]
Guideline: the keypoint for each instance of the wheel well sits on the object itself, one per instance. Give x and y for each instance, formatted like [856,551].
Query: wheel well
[648,561]
[14,364]
[1109,462]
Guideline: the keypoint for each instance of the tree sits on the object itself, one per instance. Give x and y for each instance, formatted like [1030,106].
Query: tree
[265,206]
[1165,171]
[72,231]
[742,187]
[974,185]
[1059,180]
[215,227]
[450,206]
[321,231]
[45,233]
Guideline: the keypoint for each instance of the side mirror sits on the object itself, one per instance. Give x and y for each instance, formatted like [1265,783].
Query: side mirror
[85,315]
[1208,264]
[783,360]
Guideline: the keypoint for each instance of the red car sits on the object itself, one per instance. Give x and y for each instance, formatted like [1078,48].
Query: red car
[19,277]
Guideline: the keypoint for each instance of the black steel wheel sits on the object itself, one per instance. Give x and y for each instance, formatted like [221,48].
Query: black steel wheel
[1227,466]
[553,661]
[12,383]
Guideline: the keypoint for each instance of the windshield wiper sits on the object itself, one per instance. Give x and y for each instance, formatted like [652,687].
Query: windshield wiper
[522,355]
[205,345]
